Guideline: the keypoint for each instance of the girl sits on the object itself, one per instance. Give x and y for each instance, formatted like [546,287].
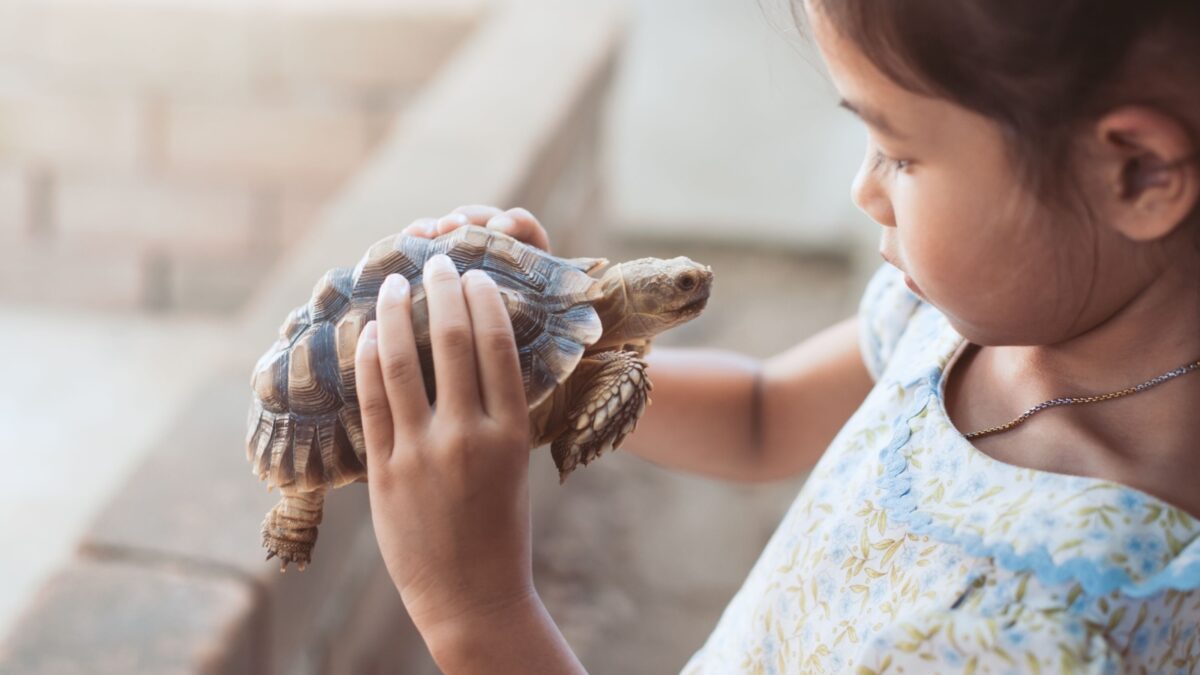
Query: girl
[1032,168]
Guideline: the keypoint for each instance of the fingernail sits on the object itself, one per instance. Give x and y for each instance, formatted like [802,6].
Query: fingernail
[429,228]
[420,225]
[440,261]
[455,218]
[478,276]
[501,223]
[395,286]
[367,338]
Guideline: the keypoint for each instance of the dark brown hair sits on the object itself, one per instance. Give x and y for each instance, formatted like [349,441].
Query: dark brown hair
[1042,69]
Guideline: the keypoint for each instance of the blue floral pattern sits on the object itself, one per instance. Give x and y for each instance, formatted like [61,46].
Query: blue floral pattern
[908,550]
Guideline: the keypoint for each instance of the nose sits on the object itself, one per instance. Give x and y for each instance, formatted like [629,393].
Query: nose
[869,194]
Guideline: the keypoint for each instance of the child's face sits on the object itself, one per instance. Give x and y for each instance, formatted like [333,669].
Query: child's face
[959,222]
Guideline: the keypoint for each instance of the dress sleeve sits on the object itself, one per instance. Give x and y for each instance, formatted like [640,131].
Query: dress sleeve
[886,307]
[963,642]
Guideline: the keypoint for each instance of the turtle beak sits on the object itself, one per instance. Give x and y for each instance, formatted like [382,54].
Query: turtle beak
[694,307]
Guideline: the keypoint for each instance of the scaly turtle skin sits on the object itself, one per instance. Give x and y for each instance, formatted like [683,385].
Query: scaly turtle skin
[580,340]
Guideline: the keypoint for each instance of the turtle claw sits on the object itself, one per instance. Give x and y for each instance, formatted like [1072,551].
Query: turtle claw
[604,413]
[291,547]
[290,528]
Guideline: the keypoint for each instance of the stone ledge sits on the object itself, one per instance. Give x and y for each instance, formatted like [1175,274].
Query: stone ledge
[194,500]
[115,616]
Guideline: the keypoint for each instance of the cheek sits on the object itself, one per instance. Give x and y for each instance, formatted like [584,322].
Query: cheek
[989,264]
[941,231]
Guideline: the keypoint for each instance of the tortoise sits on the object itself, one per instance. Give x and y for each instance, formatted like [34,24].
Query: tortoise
[581,329]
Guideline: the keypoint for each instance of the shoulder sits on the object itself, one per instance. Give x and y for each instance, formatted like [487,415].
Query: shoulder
[885,311]
[955,641]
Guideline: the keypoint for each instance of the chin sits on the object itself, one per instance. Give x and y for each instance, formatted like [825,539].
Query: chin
[983,337]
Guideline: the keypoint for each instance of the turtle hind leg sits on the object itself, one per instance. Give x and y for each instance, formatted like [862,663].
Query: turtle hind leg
[290,529]
[604,410]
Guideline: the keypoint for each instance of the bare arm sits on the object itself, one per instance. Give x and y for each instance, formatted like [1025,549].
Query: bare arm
[733,417]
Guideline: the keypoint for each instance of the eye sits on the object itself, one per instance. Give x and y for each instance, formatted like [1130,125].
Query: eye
[881,160]
[686,282]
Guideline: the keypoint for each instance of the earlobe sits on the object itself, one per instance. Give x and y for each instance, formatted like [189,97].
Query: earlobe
[1152,167]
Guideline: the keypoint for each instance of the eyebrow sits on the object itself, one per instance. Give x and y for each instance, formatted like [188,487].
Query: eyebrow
[872,117]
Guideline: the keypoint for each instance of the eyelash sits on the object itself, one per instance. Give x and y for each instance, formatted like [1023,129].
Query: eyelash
[881,159]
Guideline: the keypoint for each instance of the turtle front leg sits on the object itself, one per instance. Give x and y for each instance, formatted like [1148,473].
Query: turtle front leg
[290,528]
[604,410]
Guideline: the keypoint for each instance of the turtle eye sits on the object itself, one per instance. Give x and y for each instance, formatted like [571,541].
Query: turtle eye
[686,282]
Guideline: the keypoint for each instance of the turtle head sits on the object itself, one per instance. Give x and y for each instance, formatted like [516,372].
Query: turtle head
[645,297]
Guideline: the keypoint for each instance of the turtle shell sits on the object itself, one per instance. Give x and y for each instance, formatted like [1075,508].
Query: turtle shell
[305,429]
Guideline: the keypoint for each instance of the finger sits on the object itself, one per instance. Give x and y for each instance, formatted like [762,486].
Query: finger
[450,333]
[522,226]
[478,214]
[501,386]
[421,227]
[401,366]
[372,399]
[451,222]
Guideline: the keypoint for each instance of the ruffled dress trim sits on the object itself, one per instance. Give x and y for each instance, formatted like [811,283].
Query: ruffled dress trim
[1103,535]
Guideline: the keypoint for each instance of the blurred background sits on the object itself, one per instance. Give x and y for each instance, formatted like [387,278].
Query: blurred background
[176,174]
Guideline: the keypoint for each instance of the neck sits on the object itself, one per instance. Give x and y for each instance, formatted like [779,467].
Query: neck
[613,307]
[1156,331]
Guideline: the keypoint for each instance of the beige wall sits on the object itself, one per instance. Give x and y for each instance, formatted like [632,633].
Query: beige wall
[723,123]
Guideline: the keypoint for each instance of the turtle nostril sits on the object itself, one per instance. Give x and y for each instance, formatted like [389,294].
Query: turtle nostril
[686,282]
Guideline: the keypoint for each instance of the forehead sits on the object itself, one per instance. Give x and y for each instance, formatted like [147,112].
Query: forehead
[856,77]
[882,103]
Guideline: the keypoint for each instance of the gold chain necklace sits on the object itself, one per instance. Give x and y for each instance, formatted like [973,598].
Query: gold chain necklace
[1187,368]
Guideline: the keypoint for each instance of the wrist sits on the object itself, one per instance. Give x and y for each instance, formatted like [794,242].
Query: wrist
[467,634]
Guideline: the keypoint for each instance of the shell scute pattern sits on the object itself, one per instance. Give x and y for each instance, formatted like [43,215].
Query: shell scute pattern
[306,429]
[346,334]
[294,325]
[352,426]
[391,255]
[313,381]
[270,380]
[305,454]
[330,294]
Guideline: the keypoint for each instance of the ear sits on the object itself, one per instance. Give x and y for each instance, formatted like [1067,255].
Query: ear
[1148,164]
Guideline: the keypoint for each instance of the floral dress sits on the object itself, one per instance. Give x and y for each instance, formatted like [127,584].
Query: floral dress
[910,551]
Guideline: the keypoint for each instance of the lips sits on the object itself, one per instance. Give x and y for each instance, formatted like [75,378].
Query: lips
[912,285]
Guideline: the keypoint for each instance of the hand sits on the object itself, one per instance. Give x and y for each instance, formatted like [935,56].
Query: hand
[517,223]
[448,485]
